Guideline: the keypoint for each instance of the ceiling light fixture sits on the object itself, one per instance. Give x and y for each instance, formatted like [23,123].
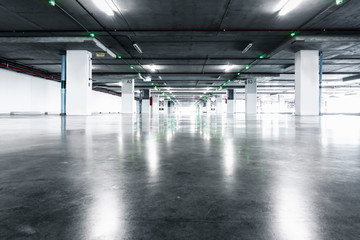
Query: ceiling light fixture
[247,48]
[228,68]
[280,5]
[152,67]
[136,46]
[112,5]
[286,6]
[52,3]
[107,6]
[147,79]
[338,2]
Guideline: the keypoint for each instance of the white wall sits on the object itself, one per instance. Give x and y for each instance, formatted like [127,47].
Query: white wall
[24,93]
[105,103]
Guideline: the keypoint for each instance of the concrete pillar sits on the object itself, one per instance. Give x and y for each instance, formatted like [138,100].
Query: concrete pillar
[231,107]
[79,82]
[166,106]
[155,104]
[170,107]
[307,83]
[204,107]
[208,106]
[63,85]
[219,104]
[146,101]
[250,97]
[137,106]
[281,103]
[128,96]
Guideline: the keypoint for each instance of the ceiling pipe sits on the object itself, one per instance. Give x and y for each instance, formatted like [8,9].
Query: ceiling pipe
[352,78]
[107,91]
[17,69]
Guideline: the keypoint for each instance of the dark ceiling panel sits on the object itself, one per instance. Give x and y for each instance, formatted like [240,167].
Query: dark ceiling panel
[190,41]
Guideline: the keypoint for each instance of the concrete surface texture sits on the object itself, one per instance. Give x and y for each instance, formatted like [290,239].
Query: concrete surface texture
[124,176]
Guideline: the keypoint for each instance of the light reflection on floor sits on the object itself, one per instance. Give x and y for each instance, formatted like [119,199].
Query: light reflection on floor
[180,177]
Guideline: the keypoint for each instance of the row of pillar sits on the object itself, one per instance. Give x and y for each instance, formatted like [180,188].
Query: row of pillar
[250,96]
[76,87]
[78,68]
[308,76]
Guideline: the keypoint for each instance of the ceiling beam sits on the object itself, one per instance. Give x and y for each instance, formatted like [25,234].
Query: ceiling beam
[121,31]
[253,74]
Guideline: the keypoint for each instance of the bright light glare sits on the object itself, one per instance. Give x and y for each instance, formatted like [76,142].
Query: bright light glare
[106,6]
[293,215]
[152,67]
[228,68]
[280,5]
[107,213]
[229,157]
[152,157]
[112,5]
[289,6]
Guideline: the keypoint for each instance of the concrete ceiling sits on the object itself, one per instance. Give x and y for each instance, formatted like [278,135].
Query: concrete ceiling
[191,42]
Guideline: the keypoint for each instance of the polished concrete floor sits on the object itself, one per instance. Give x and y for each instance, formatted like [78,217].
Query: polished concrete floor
[180,177]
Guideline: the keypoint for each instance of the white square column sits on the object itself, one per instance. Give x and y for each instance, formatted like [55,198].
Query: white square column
[208,106]
[231,102]
[145,105]
[78,82]
[307,83]
[128,96]
[166,106]
[204,107]
[155,104]
[250,97]
[219,104]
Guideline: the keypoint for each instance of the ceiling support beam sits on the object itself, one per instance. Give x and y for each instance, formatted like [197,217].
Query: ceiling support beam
[122,31]
[57,40]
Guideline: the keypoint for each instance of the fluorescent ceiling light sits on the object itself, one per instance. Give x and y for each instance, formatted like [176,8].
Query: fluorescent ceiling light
[112,5]
[280,5]
[137,48]
[286,6]
[147,79]
[152,67]
[228,68]
[247,48]
[107,6]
